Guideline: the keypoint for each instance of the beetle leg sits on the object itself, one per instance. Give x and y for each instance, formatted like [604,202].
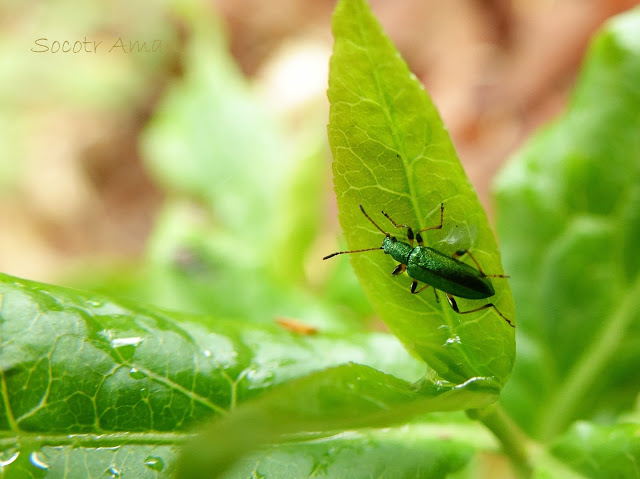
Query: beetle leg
[409,230]
[441,221]
[393,222]
[414,285]
[462,252]
[401,268]
[454,306]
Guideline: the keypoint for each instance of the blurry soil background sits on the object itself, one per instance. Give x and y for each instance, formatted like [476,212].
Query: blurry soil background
[73,186]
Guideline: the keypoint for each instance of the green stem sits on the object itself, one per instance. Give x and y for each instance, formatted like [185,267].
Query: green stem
[515,443]
[562,406]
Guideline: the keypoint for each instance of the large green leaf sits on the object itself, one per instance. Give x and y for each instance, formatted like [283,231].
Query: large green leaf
[335,399]
[568,218]
[428,450]
[149,457]
[80,373]
[392,153]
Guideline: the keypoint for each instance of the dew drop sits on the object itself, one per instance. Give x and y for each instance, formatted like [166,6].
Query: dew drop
[155,463]
[94,303]
[37,461]
[113,472]
[126,346]
[110,448]
[9,460]
[135,374]
[454,340]
[207,353]
[120,342]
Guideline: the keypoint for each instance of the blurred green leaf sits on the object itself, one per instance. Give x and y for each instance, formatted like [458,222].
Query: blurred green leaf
[192,266]
[344,397]
[425,450]
[296,220]
[589,451]
[342,288]
[568,218]
[244,210]
[392,153]
[81,372]
[210,139]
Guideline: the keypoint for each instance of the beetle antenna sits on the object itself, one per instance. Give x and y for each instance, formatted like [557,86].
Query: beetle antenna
[373,222]
[352,251]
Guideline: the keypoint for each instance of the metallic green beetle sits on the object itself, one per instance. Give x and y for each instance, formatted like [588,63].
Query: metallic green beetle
[425,264]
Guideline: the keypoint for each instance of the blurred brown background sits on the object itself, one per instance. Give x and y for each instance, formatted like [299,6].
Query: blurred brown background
[72,183]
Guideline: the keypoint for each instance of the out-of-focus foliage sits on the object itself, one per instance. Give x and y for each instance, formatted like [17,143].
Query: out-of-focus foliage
[569,221]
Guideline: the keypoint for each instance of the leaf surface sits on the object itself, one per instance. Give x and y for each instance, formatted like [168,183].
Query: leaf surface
[424,450]
[392,152]
[83,373]
[335,399]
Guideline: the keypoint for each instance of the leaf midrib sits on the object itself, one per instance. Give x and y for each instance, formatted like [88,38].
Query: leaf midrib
[400,147]
[97,440]
[387,111]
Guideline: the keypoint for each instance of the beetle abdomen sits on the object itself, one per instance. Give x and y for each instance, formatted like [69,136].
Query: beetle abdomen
[448,274]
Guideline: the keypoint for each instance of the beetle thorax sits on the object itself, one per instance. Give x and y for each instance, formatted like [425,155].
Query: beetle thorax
[398,250]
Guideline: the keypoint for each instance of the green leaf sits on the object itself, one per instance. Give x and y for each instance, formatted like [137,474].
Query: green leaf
[568,218]
[344,397]
[83,373]
[244,201]
[392,153]
[88,459]
[209,138]
[588,451]
[212,140]
[425,450]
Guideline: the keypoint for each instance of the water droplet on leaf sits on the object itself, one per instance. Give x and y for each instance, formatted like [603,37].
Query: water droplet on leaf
[37,461]
[126,346]
[113,472]
[135,374]
[155,463]
[5,462]
[121,342]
